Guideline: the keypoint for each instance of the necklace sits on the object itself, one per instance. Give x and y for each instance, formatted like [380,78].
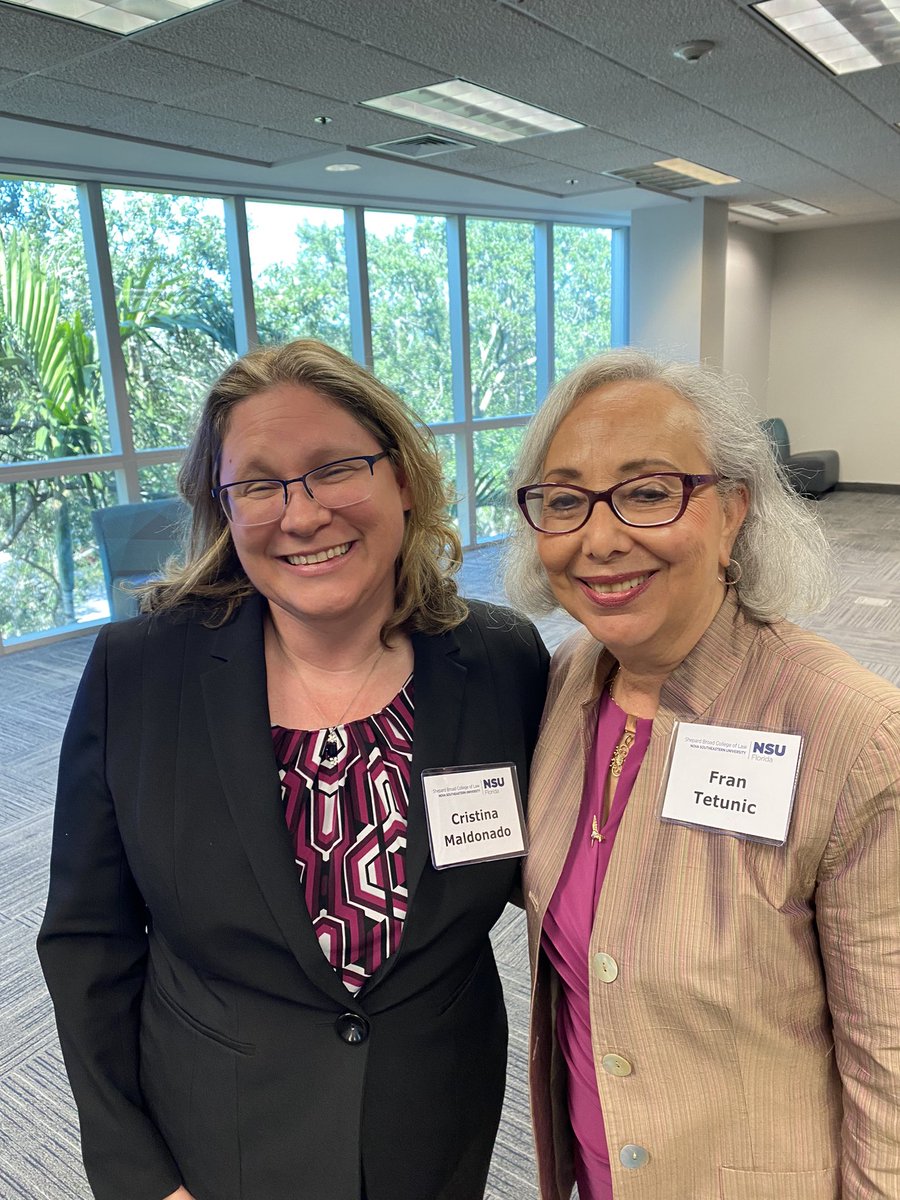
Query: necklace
[331,745]
[626,741]
[624,744]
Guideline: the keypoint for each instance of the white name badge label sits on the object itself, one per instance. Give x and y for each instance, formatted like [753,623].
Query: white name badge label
[735,781]
[474,814]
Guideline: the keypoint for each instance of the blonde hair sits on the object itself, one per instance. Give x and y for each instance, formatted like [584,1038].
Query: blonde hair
[426,597]
[786,564]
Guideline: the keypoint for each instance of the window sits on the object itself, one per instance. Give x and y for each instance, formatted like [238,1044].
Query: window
[582,284]
[174,319]
[495,453]
[502,327]
[51,396]
[170,268]
[408,297]
[50,574]
[299,269]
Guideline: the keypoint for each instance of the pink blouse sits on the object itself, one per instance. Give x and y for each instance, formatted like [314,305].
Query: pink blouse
[566,939]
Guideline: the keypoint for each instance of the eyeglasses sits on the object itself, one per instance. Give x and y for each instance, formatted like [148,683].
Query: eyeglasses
[644,501]
[333,485]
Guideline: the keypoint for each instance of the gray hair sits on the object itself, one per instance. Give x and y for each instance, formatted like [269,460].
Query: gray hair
[786,564]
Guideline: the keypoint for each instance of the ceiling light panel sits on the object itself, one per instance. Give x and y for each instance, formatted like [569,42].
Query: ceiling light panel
[115,16]
[844,35]
[684,166]
[468,108]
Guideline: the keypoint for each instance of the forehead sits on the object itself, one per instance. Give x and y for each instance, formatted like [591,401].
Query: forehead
[628,422]
[291,418]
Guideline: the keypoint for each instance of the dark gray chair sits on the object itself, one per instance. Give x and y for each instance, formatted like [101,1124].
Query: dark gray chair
[810,473]
[134,541]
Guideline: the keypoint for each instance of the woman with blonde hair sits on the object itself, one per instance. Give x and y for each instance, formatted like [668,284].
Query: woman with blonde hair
[264,989]
[713,884]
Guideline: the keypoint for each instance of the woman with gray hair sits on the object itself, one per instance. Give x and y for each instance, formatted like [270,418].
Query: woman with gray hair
[713,885]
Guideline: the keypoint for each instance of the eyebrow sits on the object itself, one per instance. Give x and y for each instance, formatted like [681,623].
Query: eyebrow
[256,468]
[634,467]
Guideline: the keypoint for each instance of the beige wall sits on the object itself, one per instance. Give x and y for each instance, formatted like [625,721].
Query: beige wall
[834,357]
[748,307]
[677,279]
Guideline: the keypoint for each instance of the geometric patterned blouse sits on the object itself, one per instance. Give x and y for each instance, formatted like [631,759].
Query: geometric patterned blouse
[345,792]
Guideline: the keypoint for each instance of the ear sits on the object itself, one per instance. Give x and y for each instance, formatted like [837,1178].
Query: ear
[734,508]
[405,489]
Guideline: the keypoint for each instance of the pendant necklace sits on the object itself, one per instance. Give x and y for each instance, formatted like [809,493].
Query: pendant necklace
[626,741]
[331,745]
[619,754]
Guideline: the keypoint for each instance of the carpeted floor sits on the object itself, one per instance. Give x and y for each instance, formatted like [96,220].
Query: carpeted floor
[38,1127]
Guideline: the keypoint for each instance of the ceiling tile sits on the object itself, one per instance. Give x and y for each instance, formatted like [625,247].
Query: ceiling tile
[31,40]
[274,47]
[145,74]
[277,106]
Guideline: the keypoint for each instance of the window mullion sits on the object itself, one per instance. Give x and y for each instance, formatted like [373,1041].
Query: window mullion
[109,342]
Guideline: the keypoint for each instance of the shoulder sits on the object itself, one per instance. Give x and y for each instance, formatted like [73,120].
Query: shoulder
[499,628]
[829,674]
[574,664]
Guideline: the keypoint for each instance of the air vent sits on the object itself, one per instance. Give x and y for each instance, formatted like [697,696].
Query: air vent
[660,179]
[423,146]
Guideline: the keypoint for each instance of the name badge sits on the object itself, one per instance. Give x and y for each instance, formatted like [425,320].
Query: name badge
[474,814]
[734,781]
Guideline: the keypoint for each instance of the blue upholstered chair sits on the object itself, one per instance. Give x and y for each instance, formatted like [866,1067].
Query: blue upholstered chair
[134,541]
[810,473]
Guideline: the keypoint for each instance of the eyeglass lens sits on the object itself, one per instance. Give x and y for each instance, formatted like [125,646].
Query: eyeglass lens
[335,485]
[650,500]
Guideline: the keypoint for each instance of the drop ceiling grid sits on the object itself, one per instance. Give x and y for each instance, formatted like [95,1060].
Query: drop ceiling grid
[266,44]
[276,106]
[758,109]
[131,69]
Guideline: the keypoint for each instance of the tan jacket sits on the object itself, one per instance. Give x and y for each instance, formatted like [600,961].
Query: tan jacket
[753,989]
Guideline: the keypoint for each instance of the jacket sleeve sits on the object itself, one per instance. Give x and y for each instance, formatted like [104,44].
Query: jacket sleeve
[93,950]
[858,918]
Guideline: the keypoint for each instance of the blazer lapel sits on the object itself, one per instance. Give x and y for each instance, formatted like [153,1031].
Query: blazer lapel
[439,692]
[237,714]
[440,684]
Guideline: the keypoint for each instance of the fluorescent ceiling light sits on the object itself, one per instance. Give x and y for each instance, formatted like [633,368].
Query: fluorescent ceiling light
[777,210]
[115,16]
[684,166]
[342,167]
[760,214]
[468,108]
[844,35]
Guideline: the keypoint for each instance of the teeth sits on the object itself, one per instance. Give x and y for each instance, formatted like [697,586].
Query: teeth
[304,560]
[624,585]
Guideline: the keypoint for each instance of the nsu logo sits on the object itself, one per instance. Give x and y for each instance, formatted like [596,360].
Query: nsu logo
[769,748]
[494,782]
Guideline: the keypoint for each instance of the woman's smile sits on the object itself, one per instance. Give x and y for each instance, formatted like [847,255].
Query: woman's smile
[615,591]
[315,557]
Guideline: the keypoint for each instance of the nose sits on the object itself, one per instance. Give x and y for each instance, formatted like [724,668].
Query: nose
[302,514]
[605,535]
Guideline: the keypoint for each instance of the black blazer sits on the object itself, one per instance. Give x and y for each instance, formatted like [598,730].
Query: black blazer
[207,1039]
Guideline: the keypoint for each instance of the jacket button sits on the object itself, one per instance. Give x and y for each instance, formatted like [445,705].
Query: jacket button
[351,1028]
[633,1156]
[615,1064]
[606,967]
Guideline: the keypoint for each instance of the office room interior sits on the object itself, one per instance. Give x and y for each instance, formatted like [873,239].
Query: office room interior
[678,175]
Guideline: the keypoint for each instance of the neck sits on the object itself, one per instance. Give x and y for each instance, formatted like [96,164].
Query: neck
[637,694]
[639,679]
[330,650]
